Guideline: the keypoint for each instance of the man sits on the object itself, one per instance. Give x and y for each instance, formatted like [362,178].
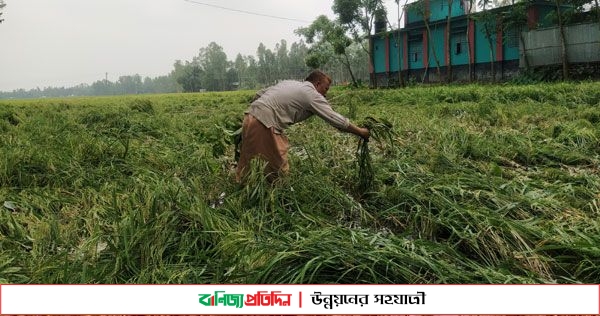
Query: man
[276,108]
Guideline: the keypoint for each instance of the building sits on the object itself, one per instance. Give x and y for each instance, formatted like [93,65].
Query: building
[488,45]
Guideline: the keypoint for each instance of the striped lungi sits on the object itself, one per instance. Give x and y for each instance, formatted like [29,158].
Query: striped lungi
[263,142]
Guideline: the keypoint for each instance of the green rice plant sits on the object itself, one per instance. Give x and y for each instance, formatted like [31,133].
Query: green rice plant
[142,105]
[231,135]
[10,118]
[366,175]
[381,131]
[478,185]
[9,273]
[578,133]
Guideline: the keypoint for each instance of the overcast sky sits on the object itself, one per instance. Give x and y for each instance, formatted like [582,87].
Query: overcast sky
[67,42]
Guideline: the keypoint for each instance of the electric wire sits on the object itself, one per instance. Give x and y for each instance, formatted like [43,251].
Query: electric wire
[246,12]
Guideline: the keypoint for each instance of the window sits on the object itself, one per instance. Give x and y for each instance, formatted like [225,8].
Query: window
[458,48]
[415,51]
[415,46]
[415,56]
[459,41]
[512,39]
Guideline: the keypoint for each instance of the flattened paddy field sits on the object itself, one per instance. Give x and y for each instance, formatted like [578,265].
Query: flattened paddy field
[477,184]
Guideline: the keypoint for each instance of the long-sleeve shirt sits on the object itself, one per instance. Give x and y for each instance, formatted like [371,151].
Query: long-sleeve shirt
[290,102]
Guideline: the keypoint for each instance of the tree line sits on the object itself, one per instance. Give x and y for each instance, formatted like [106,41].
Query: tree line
[338,46]
[211,70]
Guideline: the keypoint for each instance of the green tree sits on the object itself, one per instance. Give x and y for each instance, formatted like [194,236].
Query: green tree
[423,9]
[213,61]
[282,60]
[148,85]
[568,12]
[177,73]
[470,4]
[103,87]
[165,84]
[514,20]
[251,75]
[296,58]
[564,57]
[262,66]
[231,79]
[358,17]
[240,67]
[319,56]
[130,84]
[448,46]
[267,65]
[488,20]
[330,40]
[399,41]
[188,75]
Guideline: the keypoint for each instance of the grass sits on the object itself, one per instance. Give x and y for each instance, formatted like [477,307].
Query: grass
[481,185]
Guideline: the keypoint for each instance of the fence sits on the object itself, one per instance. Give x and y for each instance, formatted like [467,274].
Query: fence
[543,47]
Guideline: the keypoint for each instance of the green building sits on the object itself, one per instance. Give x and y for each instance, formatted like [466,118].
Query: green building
[486,45]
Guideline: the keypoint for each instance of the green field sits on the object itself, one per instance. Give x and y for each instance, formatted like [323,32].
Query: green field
[482,184]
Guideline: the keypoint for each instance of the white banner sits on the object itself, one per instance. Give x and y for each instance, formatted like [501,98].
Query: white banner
[299,299]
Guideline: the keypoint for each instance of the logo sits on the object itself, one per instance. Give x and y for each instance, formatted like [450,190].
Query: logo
[261,298]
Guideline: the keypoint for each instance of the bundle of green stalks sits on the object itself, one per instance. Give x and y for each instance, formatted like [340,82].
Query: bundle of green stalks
[225,134]
[381,131]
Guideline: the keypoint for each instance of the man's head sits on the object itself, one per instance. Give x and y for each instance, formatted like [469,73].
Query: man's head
[320,80]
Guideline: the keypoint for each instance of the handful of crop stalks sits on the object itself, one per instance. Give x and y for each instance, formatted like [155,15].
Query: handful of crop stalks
[229,133]
[381,131]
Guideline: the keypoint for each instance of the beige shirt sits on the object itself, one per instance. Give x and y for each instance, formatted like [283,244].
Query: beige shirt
[290,102]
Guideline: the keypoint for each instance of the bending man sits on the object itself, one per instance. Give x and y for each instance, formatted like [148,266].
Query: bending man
[276,108]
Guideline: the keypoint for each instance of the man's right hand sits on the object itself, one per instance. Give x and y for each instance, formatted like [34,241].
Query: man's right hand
[365,133]
[359,131]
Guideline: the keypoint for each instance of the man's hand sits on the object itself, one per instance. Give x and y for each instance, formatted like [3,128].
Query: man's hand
[359,131]
[365,133]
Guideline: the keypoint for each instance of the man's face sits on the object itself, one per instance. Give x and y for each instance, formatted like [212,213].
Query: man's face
[323,86]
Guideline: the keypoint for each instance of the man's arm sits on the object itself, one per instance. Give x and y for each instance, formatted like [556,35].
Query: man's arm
[359,131]
[323,109]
